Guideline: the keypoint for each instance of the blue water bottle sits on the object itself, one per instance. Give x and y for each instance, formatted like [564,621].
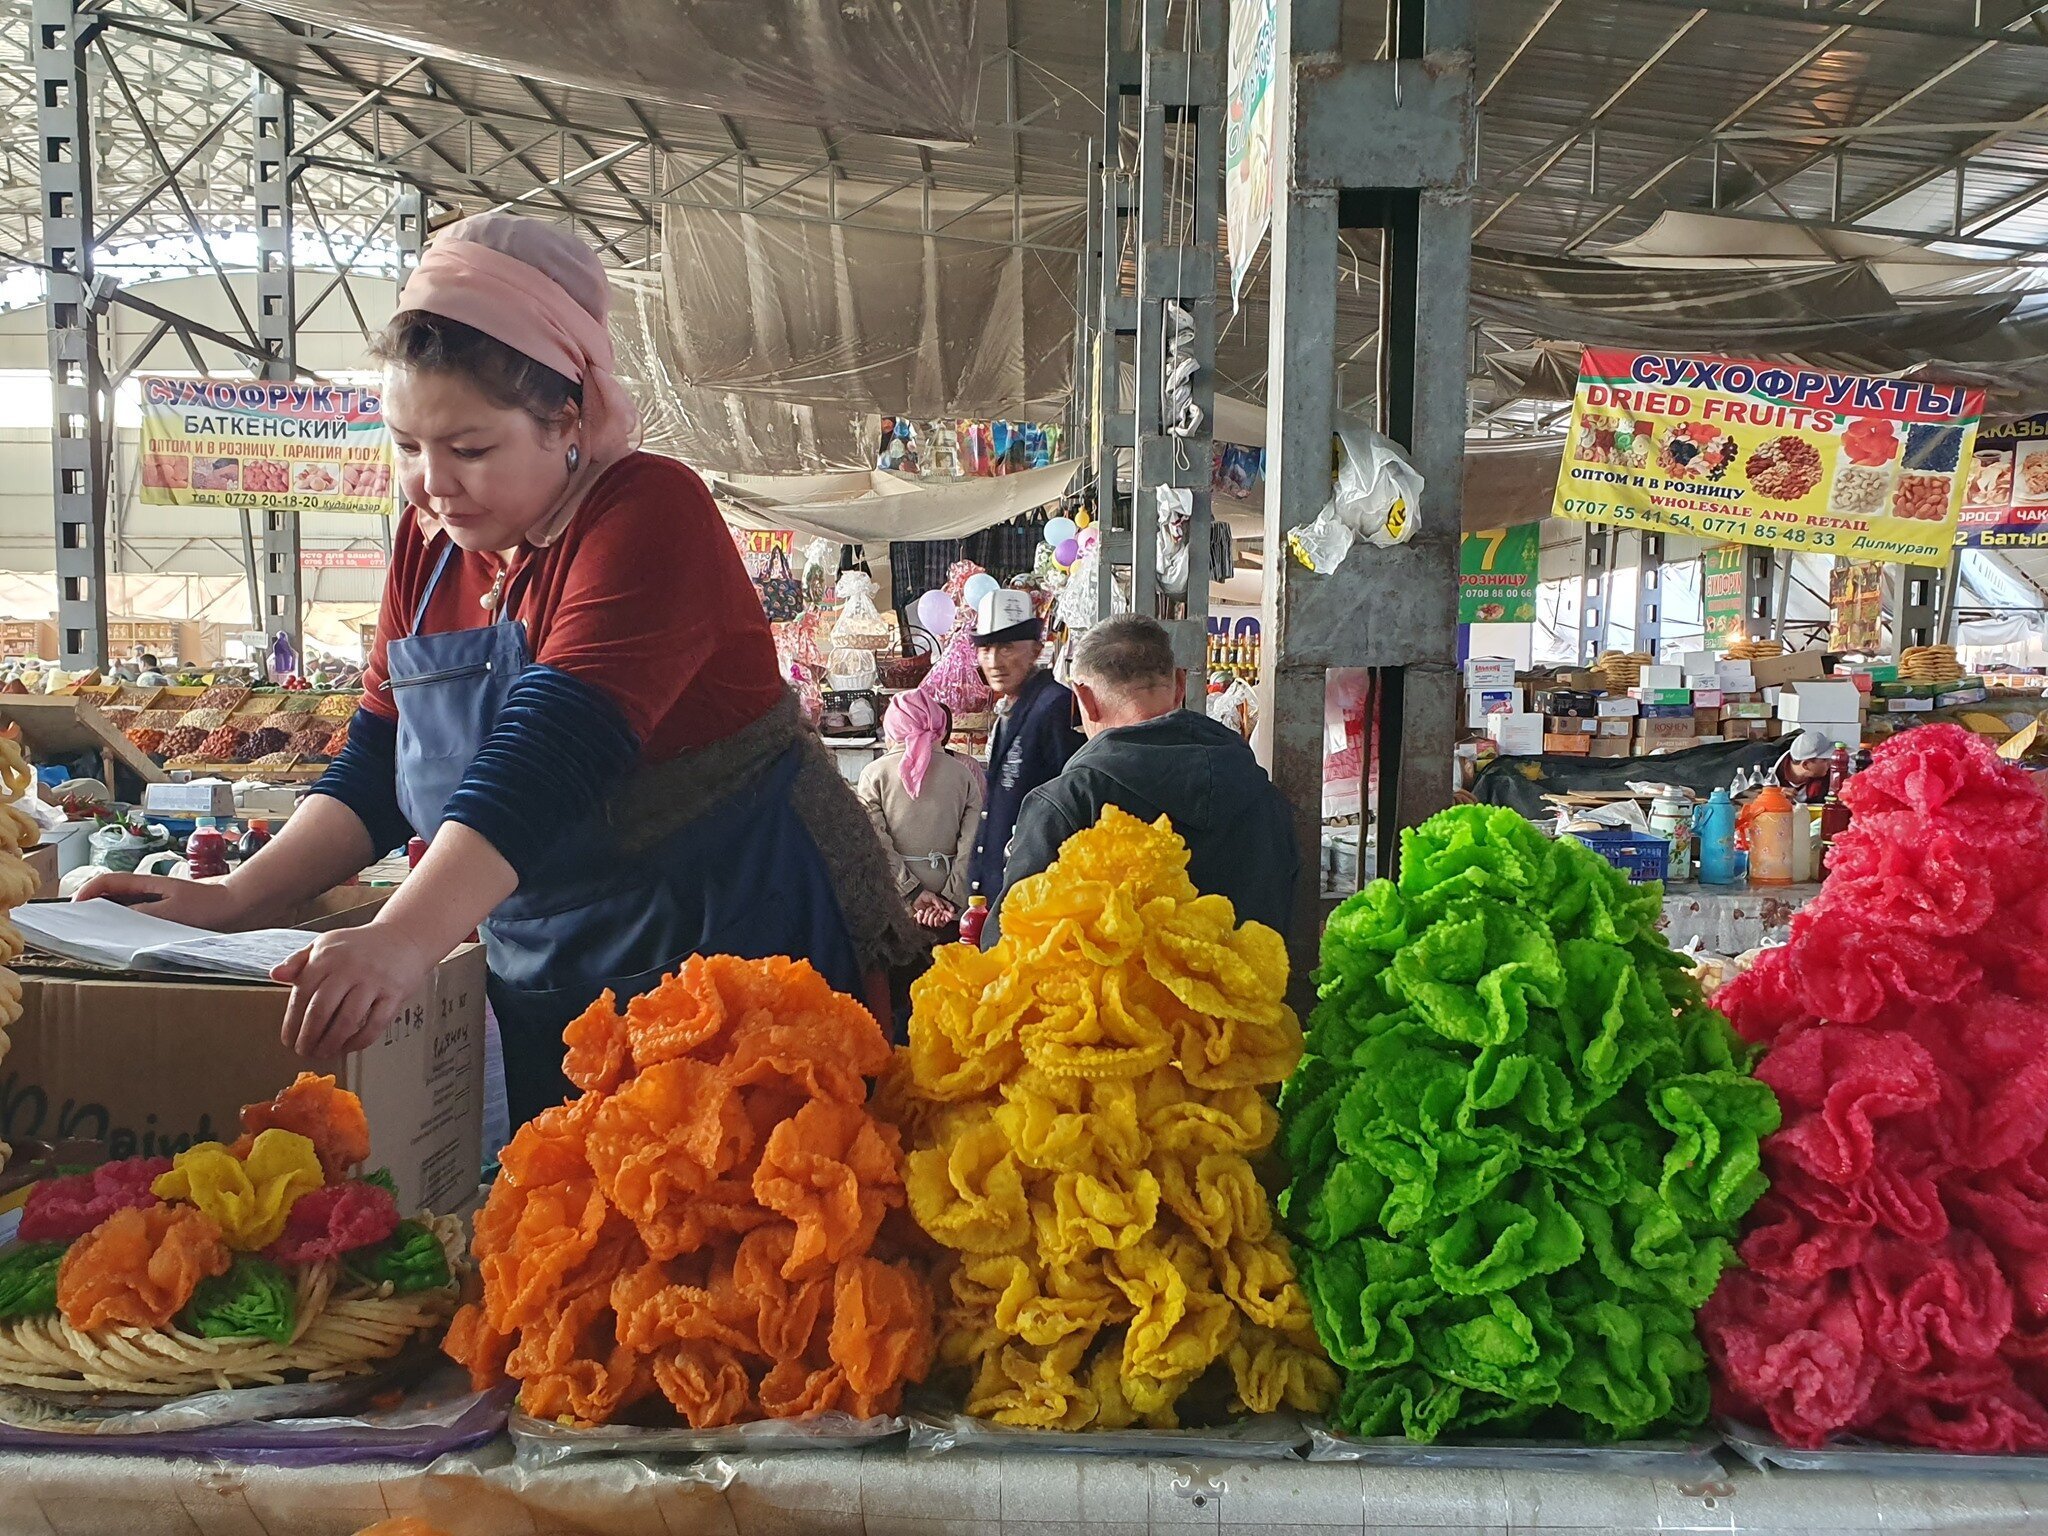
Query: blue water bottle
[1715,822]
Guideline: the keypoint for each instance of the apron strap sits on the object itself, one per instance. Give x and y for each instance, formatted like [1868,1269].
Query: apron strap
[419,616]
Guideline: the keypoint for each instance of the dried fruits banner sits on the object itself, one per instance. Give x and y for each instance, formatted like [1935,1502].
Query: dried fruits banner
[265,446]
[1769,453]
[2005,504]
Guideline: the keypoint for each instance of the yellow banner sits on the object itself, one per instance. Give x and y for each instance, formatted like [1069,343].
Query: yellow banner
[264,446]
[1765,453]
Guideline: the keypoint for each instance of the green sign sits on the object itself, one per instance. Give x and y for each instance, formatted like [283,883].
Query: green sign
[1721,593]
[1497,575]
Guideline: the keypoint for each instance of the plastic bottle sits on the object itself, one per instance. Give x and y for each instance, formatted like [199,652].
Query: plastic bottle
[1765,828]
[206,851]
[1838,771]
[255,840]
[1716,824]
[415,850]
[973,920]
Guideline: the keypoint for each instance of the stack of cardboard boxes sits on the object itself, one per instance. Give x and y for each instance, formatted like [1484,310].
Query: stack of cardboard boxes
[1704,698]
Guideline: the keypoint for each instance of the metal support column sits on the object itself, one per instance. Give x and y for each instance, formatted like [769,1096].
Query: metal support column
[1116,308]
[1951,594]
[277,330]
[408,230]
[1760,616]
[1916,607]
[73,299]
[1649,593]
[1181,91]
[1596,571]
[1379,144]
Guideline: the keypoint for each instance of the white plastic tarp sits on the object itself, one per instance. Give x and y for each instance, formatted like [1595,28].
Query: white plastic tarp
[931,305]
[885,66]
[875,506]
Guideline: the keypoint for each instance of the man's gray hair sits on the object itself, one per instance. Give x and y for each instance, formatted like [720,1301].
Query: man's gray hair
[1127,651]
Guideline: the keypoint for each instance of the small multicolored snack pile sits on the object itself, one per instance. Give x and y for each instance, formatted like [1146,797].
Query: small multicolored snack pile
[708,1225]
[1520,1145]
[1084,1100]
[1896,1286]
[226,1266]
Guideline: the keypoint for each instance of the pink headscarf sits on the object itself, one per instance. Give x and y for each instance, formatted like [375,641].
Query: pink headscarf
[542,292]
[920,723]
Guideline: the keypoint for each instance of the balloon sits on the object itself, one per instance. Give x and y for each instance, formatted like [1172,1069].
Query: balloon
[1083,519]
[1090,540]
[979,586]
[1068,552]
[1059,530]
[935,613]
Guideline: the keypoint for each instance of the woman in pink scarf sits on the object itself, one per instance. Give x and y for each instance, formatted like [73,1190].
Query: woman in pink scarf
[925,803]
[573,695]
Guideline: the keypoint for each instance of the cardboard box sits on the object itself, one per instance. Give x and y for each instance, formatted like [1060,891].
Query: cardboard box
[1962,696]
[1906,706]
[1668,696]
[1706,698]
[1691,662]
[1698,680]
[1481,702]
[1611,746]
[1746,709]
[1567,703]
[1839,733]
[1568,743]
[1777,671]
[1736,677]
[42,863]
[1660,748]
[1517,735]
[1661,677]
[1614,730]
[1799,703]
[1706,721]
[200,797]
[1489,672]
[1747,730]
[153,1066]
[1665,730]
[1623,709]
[1666,712]
[1568,725]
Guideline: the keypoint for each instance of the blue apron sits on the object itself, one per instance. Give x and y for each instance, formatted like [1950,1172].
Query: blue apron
[744,878]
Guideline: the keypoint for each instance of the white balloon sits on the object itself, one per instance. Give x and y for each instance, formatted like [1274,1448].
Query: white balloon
[979,586]
[1059,530]
[935,612]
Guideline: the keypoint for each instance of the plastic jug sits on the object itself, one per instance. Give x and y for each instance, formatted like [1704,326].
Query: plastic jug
[1715,823]
[1671,819]
[1765,829]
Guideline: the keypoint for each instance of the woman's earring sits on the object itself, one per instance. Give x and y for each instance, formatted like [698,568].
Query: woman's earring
[575,457]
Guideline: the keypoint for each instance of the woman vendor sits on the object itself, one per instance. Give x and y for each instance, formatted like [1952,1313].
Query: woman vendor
[573,694]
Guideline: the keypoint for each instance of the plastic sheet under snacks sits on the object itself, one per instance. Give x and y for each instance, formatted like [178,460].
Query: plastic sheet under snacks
[305,1426]
[1268,1437]
[543,1443]
[1689,1458]
[884,1493]
[1764,1450]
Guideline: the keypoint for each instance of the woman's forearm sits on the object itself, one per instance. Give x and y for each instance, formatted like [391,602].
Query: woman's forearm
[456,886]
[323,844]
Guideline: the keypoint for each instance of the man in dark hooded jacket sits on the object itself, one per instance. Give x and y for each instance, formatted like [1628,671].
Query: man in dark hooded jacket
[1149,755]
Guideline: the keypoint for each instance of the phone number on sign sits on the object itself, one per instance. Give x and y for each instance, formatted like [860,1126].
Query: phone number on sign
[1702,525]
[282,501]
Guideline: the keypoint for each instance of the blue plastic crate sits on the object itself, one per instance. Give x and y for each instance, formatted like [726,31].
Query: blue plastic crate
[1643,858]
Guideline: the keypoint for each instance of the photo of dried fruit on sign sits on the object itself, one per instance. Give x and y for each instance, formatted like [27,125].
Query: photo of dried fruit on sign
[705,1234]
[1520,1145]
[1083,1102]
[269,1260]
[1892,1286]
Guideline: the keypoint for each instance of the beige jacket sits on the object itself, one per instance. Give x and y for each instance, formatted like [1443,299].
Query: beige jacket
[930,838]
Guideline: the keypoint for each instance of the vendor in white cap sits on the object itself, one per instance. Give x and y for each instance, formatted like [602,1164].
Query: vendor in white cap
[1804,769]
[1036,728]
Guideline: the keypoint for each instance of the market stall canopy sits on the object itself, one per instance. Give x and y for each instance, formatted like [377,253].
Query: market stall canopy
[907,67]
[876,506]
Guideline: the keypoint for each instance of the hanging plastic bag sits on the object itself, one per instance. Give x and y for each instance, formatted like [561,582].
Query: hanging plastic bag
[1376,498]
[955,679]
[860,623]
[821,559]
[1176,511]
[1236,706]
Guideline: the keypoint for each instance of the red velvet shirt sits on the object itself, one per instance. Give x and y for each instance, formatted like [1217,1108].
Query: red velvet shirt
[643,597]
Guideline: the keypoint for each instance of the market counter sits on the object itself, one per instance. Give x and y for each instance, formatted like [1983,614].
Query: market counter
[884,1490]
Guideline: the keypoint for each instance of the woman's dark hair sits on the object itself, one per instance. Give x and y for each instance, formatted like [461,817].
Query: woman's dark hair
[509,379]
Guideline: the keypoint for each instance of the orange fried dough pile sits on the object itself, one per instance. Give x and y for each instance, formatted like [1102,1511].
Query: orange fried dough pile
[715,1222]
